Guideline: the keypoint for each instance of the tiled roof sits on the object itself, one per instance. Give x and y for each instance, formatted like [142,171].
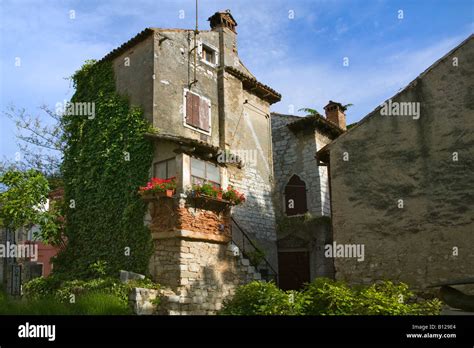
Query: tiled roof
[316,121]
[263,91]
[130,43]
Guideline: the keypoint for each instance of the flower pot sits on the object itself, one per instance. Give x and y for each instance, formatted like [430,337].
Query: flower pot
[219,195]
[169,193]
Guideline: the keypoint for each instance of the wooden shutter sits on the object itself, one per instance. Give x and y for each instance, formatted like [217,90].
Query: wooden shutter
[204,115]
[189,107]
[192,109]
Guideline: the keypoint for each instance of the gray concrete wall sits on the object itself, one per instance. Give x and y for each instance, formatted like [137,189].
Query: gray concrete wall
[134,75]
[398,157]
[174,71]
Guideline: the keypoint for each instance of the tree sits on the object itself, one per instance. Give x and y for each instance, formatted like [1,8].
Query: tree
[314,112]
[23,204]
[40,140]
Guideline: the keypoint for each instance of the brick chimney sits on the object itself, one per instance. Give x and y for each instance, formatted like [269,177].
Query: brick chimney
[335,114]
[223,20]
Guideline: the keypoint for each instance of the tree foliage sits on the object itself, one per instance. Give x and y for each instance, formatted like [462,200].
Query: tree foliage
[40,141]
[23,203]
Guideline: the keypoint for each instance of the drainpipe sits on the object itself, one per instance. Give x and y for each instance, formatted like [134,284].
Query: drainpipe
[221,90]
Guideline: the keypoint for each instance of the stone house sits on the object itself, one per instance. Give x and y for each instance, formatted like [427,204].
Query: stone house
[301,192]
[402,180]
[213,125]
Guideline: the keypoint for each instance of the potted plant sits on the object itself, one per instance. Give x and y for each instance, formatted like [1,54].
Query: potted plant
[162,187]
[233,196]
[206,190]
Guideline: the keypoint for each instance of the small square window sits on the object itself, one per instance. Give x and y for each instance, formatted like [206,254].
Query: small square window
[165,169]
[205,172]
[209,55]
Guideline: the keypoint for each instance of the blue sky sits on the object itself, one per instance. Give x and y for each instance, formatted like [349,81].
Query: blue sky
[296,47]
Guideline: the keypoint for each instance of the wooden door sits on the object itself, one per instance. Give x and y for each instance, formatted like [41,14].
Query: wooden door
[293,269]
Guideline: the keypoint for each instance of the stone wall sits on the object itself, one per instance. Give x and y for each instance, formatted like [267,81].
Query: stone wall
[294,153]
[428,236]
[199,275]
[194,258]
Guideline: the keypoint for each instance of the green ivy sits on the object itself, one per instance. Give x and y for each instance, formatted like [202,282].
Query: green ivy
[305,222]
[106,159]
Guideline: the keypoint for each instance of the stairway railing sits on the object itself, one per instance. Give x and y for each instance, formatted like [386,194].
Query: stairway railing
[249,250]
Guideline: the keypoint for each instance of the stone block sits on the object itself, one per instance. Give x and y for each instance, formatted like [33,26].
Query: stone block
[125,276]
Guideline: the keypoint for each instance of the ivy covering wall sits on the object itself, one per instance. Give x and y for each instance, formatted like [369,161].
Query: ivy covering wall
[106,159]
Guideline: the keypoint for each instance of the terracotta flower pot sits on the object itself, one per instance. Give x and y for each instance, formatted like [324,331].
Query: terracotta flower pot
[169,193]
[219,195]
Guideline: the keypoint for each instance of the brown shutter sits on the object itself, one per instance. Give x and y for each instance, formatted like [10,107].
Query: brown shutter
[195,115]
[204,115]
[189,107]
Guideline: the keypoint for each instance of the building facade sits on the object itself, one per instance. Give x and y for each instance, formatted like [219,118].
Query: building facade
[401,181]
[301,195]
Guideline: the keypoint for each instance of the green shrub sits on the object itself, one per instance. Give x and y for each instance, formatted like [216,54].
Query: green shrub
[327,297]
[259,298]
[60,290]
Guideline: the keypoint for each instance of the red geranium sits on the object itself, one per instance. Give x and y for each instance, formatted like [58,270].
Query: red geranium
[159,185]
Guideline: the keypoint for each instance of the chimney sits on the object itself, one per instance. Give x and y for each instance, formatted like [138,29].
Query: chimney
[335,114]
[223,20]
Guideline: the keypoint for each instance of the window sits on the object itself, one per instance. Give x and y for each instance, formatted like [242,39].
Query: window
[165,169]
[204,172]
[295,196]
[209,55]
[197,111]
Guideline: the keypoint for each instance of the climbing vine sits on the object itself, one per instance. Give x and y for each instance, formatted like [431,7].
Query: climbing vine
[306,222]
[106,159]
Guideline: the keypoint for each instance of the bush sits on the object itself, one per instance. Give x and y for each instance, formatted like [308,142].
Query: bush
[327,297]
[85,293]
[259,298]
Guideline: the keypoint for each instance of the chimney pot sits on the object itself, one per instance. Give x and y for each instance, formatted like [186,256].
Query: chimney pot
[335,114]
[223,19]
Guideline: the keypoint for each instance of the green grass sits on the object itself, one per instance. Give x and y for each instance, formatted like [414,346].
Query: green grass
[88,304]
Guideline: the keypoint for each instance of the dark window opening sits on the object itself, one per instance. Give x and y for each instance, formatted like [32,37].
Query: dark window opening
[295,197]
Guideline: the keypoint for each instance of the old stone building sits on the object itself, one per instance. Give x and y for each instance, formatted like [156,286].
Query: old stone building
[207,108]
[402,180]
[302,193]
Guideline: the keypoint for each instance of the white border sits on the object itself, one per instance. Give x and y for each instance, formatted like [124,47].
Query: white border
[216,51]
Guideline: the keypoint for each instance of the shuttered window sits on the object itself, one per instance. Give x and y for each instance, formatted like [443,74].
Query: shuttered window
[197,111]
